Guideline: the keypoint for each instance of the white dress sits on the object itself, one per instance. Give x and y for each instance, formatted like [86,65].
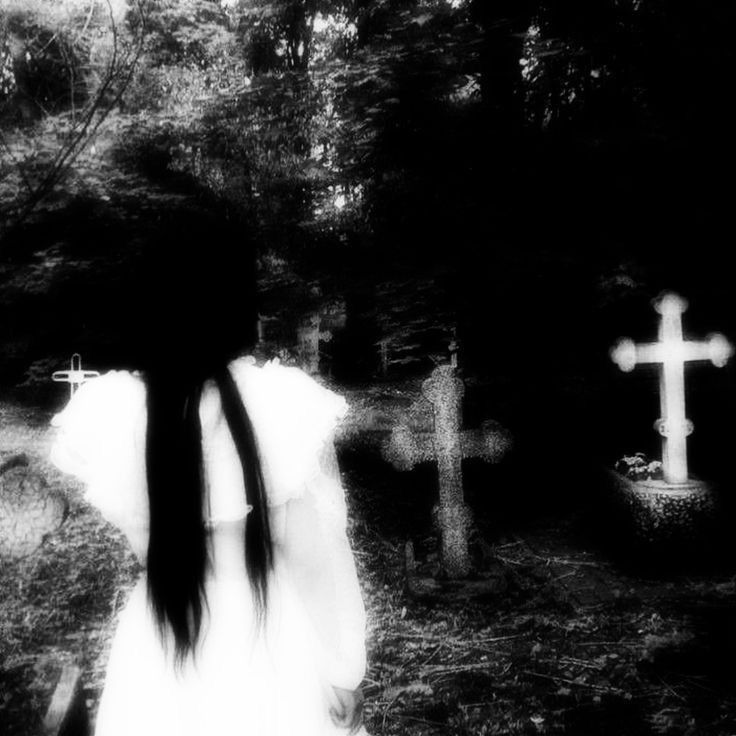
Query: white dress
[274,681]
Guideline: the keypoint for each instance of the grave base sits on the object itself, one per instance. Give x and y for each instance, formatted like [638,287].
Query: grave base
[676,520]
[420,585]
[662,511]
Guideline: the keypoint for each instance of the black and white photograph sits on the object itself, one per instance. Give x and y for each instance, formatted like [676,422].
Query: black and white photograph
[367,368]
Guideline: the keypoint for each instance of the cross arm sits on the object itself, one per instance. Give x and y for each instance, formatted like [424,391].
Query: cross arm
[717,349]
[626,354]
[75,376]
[405,448]
[489,443]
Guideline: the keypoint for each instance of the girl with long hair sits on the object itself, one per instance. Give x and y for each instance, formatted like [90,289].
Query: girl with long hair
[248,618]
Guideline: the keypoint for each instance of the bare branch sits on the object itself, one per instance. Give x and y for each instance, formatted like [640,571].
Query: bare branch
[116,78]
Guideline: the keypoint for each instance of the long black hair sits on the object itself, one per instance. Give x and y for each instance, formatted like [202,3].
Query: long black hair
[198,297]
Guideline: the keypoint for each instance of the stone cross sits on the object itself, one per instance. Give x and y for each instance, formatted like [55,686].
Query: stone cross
[447,445]
[671,353]
[316,327]
[75,377]
[308,335]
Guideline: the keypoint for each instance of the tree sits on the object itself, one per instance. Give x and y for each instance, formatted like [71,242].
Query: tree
[277,35]
[64,68]
[183,32]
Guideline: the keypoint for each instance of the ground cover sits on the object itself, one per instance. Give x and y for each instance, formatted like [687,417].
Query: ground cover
[574,645]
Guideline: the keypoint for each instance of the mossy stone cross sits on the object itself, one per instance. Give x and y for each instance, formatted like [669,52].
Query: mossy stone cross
[447,445]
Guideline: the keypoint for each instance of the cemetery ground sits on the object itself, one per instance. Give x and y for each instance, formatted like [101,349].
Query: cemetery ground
[575,644]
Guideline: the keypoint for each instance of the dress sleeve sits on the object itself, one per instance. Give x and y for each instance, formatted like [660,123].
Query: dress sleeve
[294,417]
[313,540]
[100,437]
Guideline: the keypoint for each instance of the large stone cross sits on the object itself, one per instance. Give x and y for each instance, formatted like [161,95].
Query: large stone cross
[671,352]
[447,445]
[75,376]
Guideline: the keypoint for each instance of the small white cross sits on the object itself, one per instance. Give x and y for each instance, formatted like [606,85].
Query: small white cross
[671,353]
[75,377]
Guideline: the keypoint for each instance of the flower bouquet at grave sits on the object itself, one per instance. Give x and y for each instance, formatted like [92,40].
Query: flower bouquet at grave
[639,467]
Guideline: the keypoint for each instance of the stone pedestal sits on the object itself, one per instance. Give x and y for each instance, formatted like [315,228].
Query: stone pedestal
[422,582]
[663,511]
[671,520]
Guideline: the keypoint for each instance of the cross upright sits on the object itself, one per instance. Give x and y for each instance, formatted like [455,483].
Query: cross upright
[453,348]
[76,376]
[671,353]
[383,349]
[447,445]
[308,335]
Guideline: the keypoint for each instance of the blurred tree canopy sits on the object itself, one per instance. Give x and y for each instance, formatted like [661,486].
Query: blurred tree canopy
[337,119]
[408,130]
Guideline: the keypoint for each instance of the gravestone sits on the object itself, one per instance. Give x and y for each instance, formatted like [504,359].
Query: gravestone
[308,334]
[29,509]
[399,349]
[397,352]
[447,444]
[67,711]
[453,347]
[673,505]
[43,695]
[384,346]
[316,328]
